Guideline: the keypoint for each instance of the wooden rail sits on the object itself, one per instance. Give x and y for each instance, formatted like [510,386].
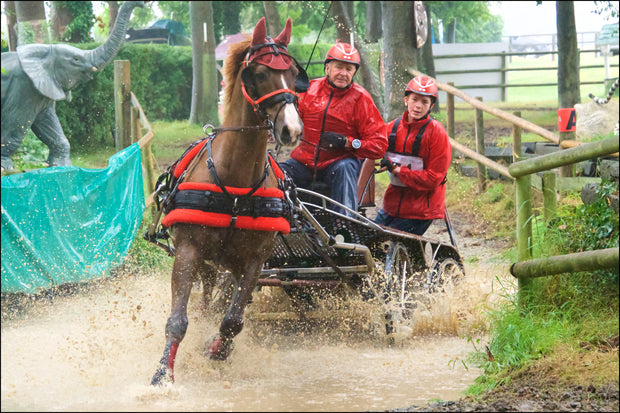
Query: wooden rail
[523,171]
[494,111]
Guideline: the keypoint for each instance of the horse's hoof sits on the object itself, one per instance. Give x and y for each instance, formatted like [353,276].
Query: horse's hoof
[219,349]
[162,376]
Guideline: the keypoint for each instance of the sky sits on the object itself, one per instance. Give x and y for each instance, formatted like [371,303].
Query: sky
[526,18]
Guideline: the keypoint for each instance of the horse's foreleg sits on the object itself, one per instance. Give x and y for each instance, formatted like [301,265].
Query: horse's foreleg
[232,324]
[176,326]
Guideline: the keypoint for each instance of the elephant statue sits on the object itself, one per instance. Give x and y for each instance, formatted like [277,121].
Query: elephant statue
[37,75]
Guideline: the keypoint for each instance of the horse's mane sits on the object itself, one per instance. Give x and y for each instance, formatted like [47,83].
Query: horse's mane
[232,65]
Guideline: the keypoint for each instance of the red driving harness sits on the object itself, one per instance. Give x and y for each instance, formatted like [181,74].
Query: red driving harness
[214,205]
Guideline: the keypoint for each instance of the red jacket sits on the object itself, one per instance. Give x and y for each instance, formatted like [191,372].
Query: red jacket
[423,196]
[350,112]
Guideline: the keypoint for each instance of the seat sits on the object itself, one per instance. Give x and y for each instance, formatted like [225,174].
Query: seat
[366,185]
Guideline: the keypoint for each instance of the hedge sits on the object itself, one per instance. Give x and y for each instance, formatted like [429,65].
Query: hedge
[161,79]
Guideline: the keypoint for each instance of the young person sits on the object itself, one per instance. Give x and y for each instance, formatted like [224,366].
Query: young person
[417,159]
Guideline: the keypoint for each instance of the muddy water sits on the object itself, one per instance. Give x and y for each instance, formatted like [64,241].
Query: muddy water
[96,350]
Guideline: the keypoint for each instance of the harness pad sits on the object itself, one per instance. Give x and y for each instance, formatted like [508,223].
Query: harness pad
[207,204]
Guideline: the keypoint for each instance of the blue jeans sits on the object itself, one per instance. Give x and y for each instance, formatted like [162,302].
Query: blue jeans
[341,176]
[413,226]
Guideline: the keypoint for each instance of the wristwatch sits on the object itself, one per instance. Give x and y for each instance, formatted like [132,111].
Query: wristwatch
[356,144]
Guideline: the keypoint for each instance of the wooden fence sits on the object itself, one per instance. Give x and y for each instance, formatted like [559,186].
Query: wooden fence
[522,171]
[130,121]
[504,70]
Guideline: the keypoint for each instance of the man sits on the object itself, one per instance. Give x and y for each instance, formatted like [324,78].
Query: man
[342,127]
[418,158]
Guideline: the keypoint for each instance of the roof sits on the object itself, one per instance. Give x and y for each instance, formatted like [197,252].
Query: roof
[608,35]
[222,48]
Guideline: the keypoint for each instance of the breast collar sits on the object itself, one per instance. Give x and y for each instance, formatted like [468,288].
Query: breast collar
[217,205]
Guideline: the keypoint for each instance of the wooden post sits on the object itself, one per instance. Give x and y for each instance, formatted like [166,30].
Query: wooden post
[550,200]
[517,150]
[450,112]
[503,74]
[135,124]
[523,199]
[482,172]
[122,104]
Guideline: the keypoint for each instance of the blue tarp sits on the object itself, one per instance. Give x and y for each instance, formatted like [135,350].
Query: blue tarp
[67,224]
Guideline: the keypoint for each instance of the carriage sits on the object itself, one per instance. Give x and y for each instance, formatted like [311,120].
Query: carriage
[326,249]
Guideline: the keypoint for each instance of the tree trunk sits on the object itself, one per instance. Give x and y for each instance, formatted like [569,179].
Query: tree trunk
[343,17]
[61,18]
[344,20]
[274,27]
[373,21]
[204,73]
[31,23]
[427,52]
[113,6]
[449,32]
[11,19]
[568,66]
[399,38]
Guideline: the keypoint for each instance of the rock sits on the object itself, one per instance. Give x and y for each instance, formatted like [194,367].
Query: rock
[596,120]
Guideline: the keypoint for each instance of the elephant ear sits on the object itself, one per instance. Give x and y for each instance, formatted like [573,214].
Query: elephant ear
[37,61]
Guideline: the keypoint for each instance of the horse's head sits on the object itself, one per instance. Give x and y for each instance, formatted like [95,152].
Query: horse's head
[272,79]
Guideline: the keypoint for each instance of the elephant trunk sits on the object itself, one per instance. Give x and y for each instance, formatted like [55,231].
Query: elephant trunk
[103,55]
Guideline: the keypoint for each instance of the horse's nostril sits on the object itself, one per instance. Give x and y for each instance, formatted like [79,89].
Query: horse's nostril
[286,136]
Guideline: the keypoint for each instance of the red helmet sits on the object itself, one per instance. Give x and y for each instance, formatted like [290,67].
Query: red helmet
[343,52]
[422,85]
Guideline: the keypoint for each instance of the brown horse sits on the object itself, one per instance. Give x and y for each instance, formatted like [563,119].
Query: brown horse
[261,81]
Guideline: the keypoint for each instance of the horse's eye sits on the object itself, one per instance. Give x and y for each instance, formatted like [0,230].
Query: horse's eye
[260,76]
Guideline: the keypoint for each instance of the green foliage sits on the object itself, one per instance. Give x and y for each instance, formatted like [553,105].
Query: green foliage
[583,227]
[607,9]
[302,52]
[226,18]
[481,30]
[143,254]
[141,17]
[78,31]
[179,10]
[32,153]
[161,79]
[475,23]
[563,309]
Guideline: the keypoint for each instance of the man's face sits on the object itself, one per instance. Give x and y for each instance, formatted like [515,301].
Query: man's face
[340,73]
[417,105]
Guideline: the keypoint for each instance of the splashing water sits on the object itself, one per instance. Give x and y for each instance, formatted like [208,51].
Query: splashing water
[97,348]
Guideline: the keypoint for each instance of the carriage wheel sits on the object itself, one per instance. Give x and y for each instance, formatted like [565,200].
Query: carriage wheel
[402,287]
[444,274]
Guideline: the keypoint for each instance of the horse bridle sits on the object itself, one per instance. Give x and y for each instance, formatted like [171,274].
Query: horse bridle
[284,95]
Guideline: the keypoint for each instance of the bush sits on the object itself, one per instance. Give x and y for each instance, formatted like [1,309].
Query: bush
[161,79]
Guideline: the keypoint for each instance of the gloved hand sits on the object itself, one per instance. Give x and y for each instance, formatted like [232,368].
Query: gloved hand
[332,140]
[385,162]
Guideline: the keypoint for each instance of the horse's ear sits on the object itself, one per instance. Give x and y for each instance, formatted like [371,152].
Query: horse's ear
[285,36]
[260,32]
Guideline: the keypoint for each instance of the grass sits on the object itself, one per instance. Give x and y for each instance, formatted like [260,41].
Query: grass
[549,94]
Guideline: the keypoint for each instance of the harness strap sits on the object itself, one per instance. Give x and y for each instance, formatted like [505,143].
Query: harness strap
[415,149]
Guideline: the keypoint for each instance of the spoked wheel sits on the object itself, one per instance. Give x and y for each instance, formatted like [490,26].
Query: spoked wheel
[444,274]
[402,287]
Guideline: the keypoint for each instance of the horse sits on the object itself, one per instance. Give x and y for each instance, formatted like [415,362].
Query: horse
[230,172]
